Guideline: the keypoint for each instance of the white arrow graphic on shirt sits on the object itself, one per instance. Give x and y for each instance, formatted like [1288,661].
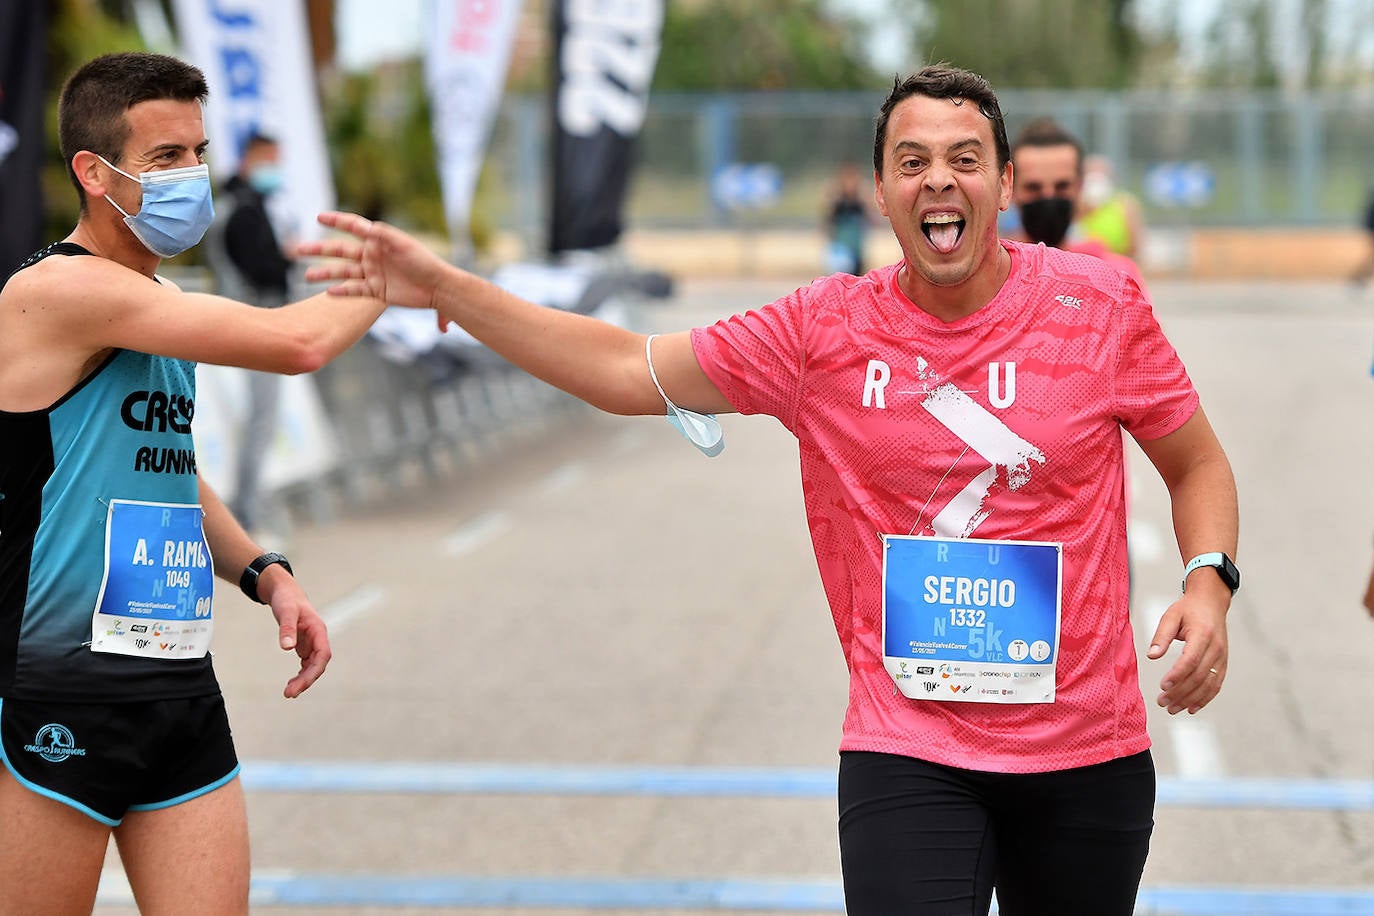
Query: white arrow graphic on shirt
[989,437]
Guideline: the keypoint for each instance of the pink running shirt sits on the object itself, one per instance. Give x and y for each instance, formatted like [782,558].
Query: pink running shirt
[1064,356]
[1098,250]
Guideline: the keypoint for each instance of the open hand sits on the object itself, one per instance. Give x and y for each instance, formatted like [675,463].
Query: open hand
[1195,678]
[299,628]
[379,261]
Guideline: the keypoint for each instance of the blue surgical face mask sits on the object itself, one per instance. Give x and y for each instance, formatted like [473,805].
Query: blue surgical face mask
[176,208]
[701,429]
[265,179]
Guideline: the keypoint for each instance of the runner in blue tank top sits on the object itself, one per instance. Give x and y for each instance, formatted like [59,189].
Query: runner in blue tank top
[111,720]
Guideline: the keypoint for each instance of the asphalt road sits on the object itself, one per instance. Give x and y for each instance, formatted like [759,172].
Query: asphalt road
[595,593]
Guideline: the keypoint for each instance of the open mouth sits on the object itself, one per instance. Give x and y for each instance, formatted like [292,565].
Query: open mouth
[943,230]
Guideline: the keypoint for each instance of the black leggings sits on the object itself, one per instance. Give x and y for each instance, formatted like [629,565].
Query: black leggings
[920,839]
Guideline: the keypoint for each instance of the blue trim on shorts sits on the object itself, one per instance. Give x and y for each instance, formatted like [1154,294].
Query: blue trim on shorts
[48,793]
[187,796]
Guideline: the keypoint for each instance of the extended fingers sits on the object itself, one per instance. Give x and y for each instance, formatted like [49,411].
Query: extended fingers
[311,668]
[315,654]
[332,248]
[1193,686]
[335,270]
[346,222]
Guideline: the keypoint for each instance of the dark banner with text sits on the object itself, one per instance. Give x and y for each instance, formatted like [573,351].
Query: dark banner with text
[23,37]
[603,60]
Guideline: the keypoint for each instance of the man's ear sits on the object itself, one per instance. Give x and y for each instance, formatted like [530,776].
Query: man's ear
[1008,181]
[86,165]
[878,194]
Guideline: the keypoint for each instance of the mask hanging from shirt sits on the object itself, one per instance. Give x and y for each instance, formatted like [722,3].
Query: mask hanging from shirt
[701,429]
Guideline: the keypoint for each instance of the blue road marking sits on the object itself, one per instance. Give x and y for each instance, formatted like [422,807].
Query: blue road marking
[734,782]
[794,896]
[738,894]
[576,893]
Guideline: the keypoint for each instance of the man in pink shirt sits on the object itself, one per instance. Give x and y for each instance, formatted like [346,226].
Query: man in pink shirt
[958,417]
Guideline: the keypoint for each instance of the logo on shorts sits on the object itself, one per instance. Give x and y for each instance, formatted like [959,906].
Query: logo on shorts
[54,743]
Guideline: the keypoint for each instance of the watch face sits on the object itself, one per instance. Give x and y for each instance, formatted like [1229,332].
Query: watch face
[1229,573]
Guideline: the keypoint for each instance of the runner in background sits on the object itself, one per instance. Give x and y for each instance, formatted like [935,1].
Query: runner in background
[846,222]
[251,264]
[1047,190]
[1107,213]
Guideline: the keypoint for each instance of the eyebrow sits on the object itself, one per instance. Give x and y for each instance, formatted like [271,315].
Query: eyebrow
[958,145]
[174,148]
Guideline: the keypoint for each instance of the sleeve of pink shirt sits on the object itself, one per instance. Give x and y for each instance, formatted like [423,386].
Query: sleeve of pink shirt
[1152,392]
[756,358]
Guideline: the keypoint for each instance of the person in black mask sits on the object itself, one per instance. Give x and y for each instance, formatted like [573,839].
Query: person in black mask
[1047,179]
[1048,176]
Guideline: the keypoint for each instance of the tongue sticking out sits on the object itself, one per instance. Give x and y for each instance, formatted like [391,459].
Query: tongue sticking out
[944,236]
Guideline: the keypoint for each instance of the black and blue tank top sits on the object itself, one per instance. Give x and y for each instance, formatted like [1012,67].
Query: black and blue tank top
[122,435]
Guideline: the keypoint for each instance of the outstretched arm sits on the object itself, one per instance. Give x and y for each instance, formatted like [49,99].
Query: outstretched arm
[598,362]
[299,627]
[1202,491]
[91,304]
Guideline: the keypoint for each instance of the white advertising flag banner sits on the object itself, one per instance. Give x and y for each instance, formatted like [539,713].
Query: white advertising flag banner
[256,58]
[465,72]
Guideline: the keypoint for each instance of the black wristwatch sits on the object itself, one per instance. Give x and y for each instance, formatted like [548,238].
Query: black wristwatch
[1218,561]
[248,582]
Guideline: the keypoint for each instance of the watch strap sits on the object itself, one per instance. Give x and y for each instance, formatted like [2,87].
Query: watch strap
[1225,568]
[248,582]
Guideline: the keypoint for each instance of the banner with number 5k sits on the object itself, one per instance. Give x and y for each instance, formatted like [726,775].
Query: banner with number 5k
[155,597]
[971,621]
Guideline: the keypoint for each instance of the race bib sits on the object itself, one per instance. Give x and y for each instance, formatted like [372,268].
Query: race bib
[155,596]
[971,620]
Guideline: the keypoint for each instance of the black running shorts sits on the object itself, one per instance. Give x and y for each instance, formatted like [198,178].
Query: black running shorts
[106,759]
[921,839]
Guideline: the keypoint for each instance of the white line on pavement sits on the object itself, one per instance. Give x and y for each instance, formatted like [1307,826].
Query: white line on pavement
[1146,544]
[568,475]
[1197,753]
[113,889]
[350,607]
[630,439]
[475,533]
[1147,620]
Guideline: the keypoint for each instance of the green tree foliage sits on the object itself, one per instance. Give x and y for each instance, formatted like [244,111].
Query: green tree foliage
[382,146]
[1240,47]
[1033,44]
[1303,44]
[765,44]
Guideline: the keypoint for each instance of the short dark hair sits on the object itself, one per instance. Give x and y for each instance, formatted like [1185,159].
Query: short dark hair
[258,138]
[942,81]
[1046,131]
[90,112]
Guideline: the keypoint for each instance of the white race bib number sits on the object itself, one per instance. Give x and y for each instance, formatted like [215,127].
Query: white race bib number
[971,621]
[155,597]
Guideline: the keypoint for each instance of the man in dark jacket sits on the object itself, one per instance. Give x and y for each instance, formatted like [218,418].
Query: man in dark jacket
[251,265]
